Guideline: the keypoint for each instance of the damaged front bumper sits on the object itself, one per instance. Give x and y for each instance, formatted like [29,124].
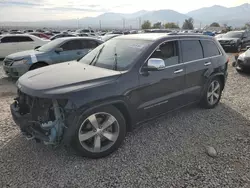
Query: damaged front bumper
[40,119]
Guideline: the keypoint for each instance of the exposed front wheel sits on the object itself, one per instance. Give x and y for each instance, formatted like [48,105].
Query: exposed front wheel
[212,95]
[238,48]
[100,132]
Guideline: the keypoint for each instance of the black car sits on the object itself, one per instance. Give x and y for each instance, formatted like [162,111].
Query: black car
[242,63]
[235,40]
[91,103]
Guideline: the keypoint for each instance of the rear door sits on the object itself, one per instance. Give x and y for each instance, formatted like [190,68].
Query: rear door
[26,43]
[88,45]
[9,45]
[197,67]
[71,50]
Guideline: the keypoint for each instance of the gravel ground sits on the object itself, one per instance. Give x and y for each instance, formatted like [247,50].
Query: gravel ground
[167,152]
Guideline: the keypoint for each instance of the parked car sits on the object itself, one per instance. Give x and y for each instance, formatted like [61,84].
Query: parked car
[242,62]
[90,104]
[235,40]
[61,36]
[56,51]
[28,31]
[209,33]
[40,35]
[10,44]
[108,37]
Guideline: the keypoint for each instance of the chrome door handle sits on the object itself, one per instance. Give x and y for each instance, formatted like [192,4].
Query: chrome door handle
[208,63]
[178,71]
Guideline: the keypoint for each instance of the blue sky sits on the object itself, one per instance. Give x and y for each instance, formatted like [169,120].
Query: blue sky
[36,10]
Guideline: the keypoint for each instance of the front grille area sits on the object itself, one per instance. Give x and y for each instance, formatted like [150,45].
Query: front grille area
[8,62]
[39,108]
[224,41]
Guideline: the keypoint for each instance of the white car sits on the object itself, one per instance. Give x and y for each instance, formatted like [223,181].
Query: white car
[18,42]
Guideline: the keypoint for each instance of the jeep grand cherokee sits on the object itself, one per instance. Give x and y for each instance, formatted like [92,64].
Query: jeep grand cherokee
[90,104]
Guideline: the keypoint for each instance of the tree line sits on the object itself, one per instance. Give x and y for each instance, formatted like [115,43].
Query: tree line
[187,24]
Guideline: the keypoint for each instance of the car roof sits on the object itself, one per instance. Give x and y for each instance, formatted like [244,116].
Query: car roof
[76,37]
[157,36]
[12,35]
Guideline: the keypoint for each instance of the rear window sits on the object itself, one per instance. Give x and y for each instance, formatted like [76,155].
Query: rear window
[210,49]
[191,50]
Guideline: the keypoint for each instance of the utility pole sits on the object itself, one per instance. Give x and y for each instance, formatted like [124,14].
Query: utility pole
[100,24]
[139,23]
[123,21]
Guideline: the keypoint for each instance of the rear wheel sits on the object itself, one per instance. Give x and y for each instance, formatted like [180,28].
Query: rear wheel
[100,132]
[212,94]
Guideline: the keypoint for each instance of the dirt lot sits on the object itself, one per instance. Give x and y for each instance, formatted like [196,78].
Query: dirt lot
[167,152]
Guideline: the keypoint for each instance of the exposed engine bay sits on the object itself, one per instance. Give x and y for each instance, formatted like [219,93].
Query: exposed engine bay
[44,118]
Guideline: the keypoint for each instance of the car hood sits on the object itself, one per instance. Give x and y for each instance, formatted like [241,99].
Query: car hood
[59,80]
[23,54]
[229,39]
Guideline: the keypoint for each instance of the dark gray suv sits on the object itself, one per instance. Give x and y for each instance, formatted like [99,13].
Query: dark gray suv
[90,104]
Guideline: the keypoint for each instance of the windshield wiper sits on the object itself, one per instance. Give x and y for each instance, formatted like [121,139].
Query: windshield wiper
[115,58]
[94,60]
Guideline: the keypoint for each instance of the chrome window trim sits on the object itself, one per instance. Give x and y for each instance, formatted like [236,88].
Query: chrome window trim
[182,63]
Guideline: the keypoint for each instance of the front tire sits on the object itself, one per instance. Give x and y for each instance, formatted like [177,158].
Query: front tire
[99,132]
[238,48]
[212,94]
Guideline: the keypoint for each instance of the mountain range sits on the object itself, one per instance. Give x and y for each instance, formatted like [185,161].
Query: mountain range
[233,16]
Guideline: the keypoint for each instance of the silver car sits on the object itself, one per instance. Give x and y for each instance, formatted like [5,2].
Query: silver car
[56,51]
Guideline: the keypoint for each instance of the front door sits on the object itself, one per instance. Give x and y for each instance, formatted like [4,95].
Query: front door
[162,91]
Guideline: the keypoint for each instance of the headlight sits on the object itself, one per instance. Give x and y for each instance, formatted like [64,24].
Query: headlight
[242,56]
[232,42]
[20,62]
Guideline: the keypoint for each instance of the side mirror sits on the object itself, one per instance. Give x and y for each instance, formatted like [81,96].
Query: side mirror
[58,50]
[37,47]
[248,47]
[155,64]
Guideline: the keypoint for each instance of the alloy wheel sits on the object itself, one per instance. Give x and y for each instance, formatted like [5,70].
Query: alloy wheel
[98,132]
[213,94]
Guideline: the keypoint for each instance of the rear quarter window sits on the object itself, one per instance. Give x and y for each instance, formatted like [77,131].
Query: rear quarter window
[210,49]
[191,50]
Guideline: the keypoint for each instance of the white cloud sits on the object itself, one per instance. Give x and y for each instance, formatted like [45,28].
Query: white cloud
[32,10]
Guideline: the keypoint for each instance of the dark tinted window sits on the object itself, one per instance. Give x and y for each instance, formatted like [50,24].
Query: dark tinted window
[16,39]
[25,39]
[168,52]
[191,50]
[91,44]
[72,45]
[209,48]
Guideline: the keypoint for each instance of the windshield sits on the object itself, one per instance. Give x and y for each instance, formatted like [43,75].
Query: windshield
[233,35]
[49,46]
[116,54]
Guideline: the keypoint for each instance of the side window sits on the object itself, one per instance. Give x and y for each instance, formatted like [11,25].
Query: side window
[91,44]
[72,45]
[168,52]
[191,50]
[7,40]
[209,48]
[24,39]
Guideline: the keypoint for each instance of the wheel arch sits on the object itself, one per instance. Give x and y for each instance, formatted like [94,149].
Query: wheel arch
[38,63]
[119,104]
